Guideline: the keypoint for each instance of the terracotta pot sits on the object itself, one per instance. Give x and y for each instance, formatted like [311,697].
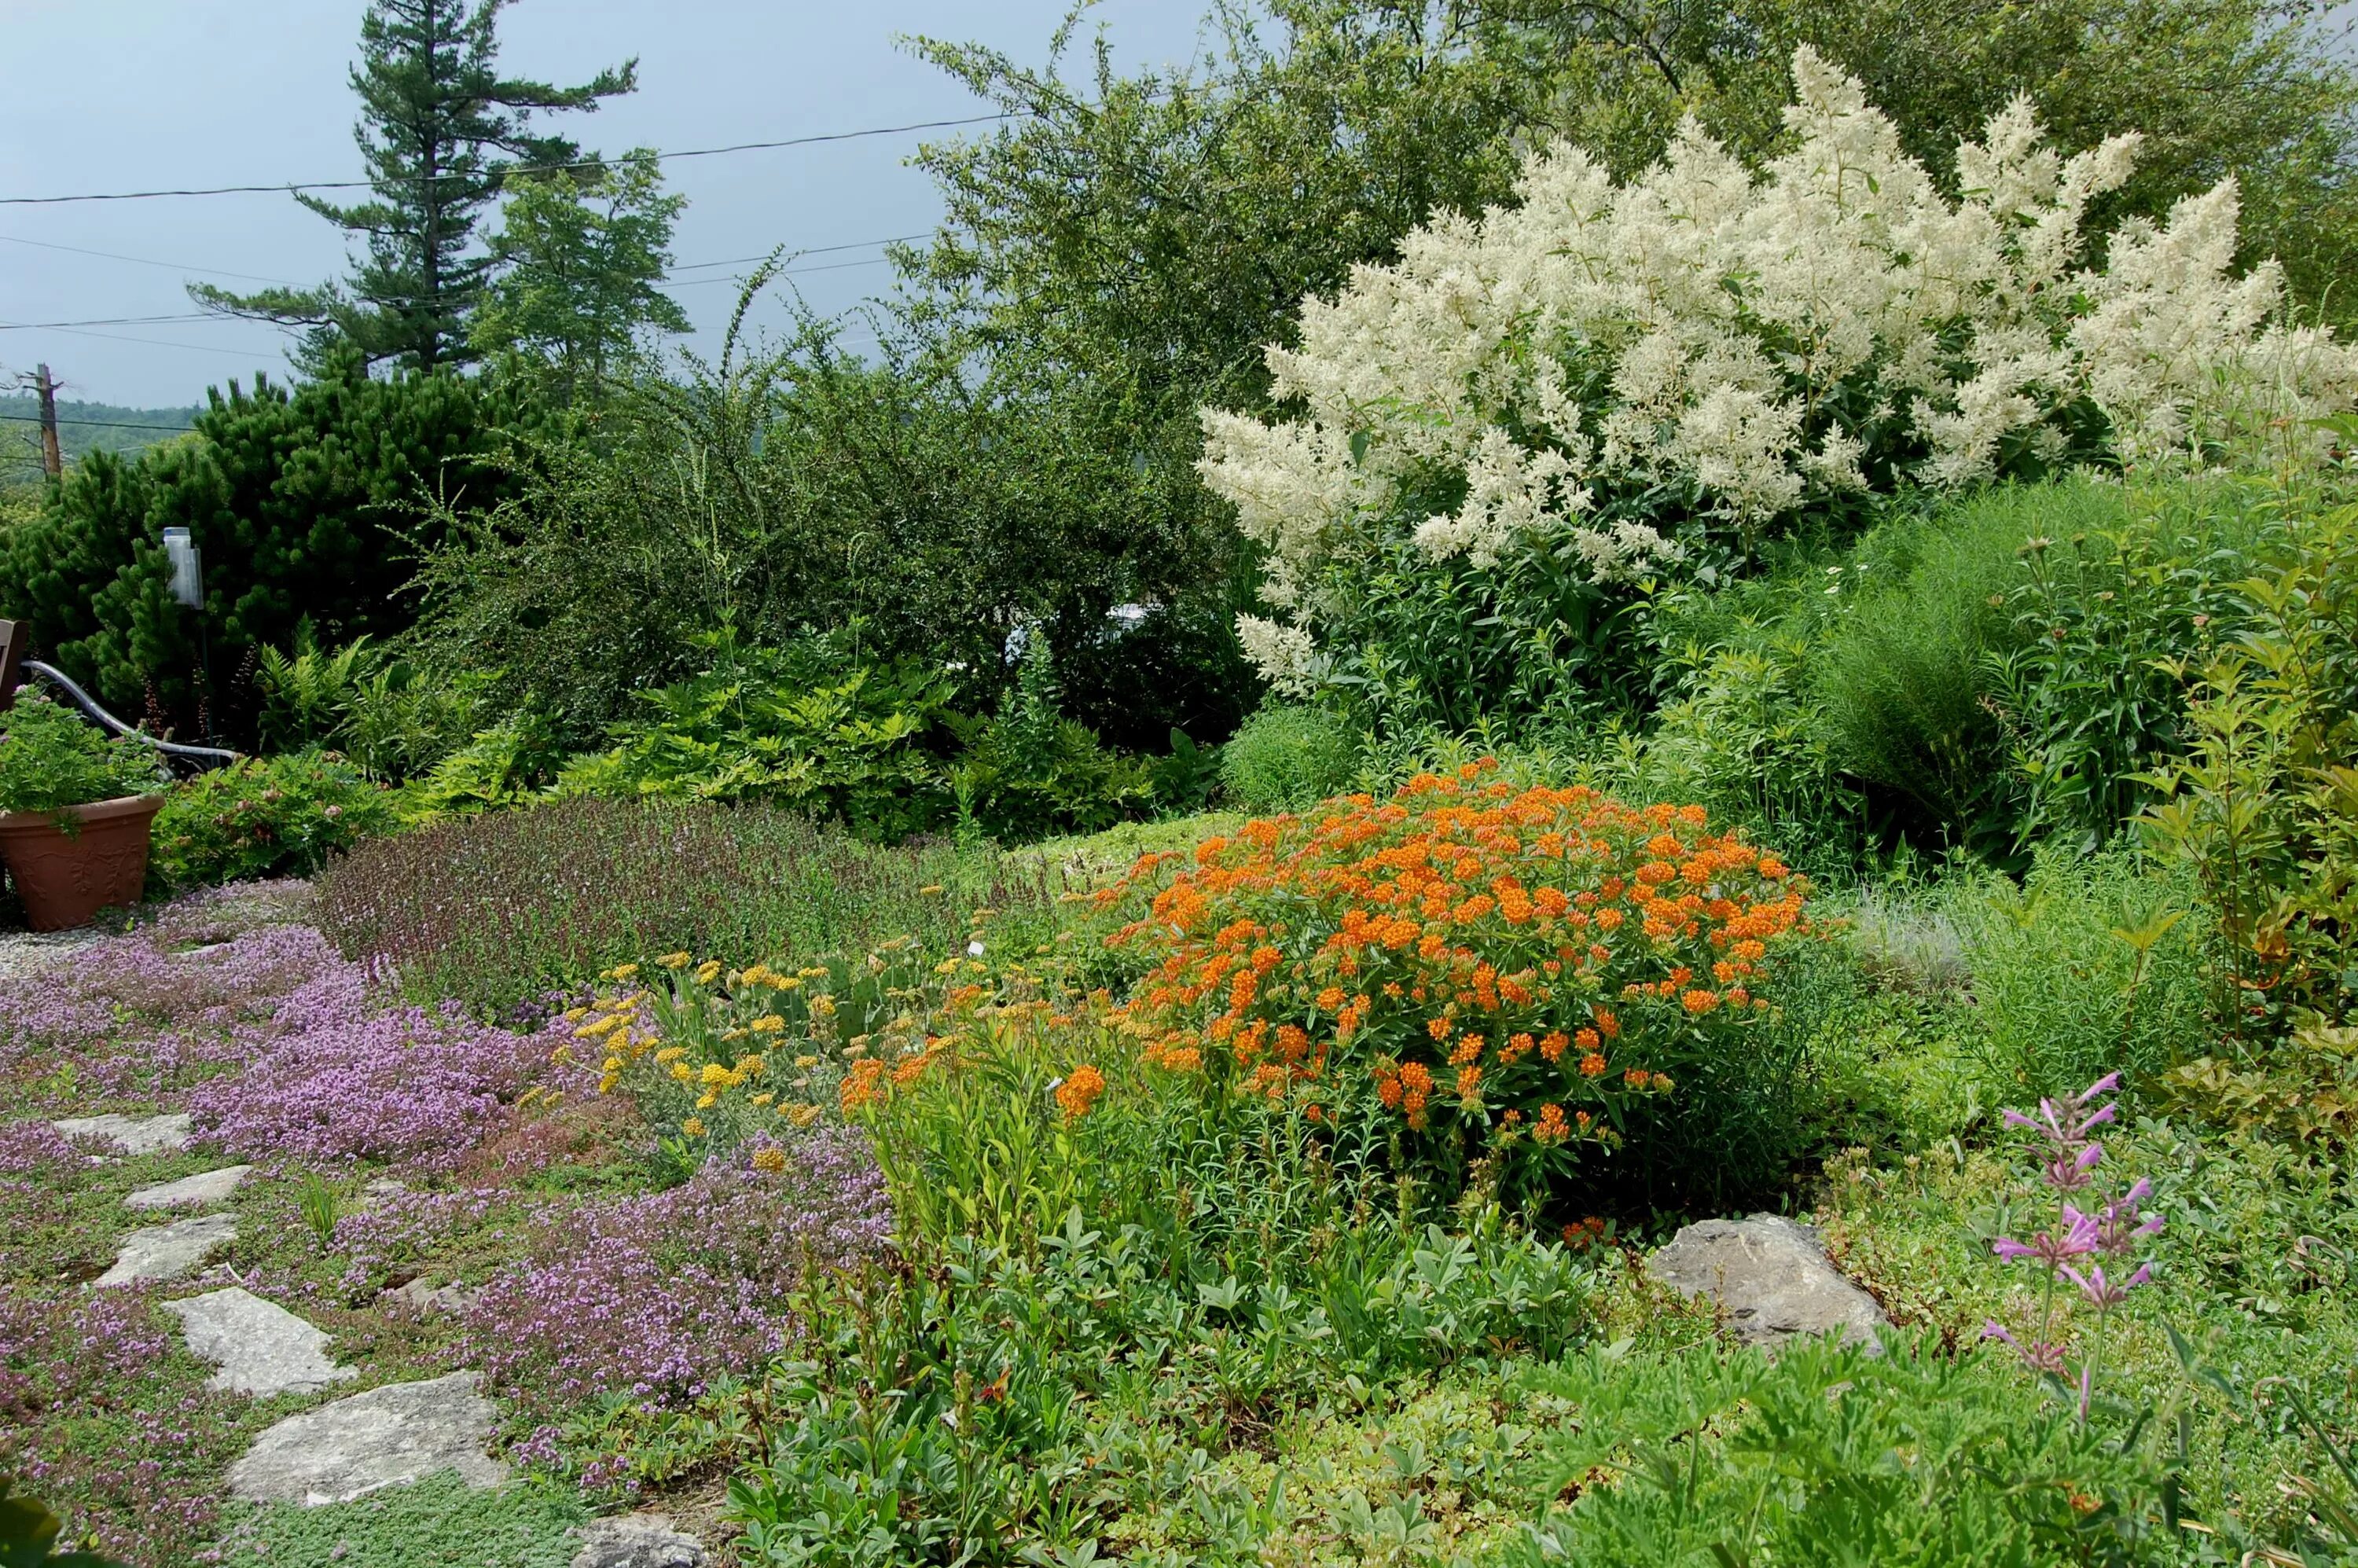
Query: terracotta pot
[64,879]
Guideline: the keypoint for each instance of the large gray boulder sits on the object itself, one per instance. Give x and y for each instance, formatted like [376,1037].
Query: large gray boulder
[209,1189]
[1771,1280]
[260,1346]
[637,1540]
[168,1251]
[385,1437]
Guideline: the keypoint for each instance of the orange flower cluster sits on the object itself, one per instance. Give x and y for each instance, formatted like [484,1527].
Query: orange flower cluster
[1526,962]
[1080,1090]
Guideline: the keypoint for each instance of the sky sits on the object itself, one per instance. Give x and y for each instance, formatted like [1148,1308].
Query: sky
[117,95]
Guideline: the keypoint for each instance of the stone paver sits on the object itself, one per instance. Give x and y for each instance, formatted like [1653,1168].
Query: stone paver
[202,1191]
[420,1296]
[168,1251]
[133,1135]
[1770,1279]
[637,1540]
[363,1443]
[260,1346]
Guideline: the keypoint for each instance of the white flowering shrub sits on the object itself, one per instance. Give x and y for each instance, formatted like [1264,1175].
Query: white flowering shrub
[1576,391]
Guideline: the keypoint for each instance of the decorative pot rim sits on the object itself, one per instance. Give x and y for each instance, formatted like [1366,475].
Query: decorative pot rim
[122,805]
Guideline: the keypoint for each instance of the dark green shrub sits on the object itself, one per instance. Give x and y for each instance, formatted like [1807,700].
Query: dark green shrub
[1029,773]
[51,756]
[1287,757]
[498,908]
[303,502]
[1901,675]
[276,816]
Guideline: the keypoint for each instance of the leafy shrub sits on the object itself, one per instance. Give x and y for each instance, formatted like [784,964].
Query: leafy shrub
[1578,392]
[1028,771]
[2092,965]
[2264,804]
[1542,978]
[276,816]
[1901,671]
[497,909]
[1832,1454]
[2306,1088]
[1287,757]
[803,726]
[50,756]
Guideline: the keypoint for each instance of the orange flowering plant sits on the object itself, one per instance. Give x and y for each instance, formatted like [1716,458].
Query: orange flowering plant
[1532,974]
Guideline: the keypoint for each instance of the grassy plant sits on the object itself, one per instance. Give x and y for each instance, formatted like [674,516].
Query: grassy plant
[499,910]
[321,1206]
[1286,758]
[2092,965]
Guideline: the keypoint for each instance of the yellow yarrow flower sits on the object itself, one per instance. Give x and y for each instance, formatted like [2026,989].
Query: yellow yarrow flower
[802,1115]
[707,972]
[714,1073]
[677,960]
[806,1061]
[772,1160]
[602,1026]
[671,1053]
[573,1014]
[680,1070]
[707,1101]
[763,1099]
[693,1127]
[769,1023]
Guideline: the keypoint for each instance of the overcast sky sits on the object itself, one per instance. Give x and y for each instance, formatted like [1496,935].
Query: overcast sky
[112,95]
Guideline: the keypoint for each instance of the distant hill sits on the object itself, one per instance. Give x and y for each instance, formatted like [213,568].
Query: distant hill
[82,427]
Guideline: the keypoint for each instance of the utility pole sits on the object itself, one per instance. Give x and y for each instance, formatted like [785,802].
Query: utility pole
[53,462]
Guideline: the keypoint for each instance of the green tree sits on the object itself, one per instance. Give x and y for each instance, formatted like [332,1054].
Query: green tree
[440,130]
[577,265]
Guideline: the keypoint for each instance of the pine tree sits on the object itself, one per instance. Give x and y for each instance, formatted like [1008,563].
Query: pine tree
[440,130]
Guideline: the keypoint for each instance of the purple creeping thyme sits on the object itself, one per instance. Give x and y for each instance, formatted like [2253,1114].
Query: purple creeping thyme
[2062,1135]
[652,1295]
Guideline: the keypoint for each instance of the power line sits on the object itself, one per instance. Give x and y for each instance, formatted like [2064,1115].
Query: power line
[813,251]
[210,316]
[515,170]
[158,343]
[66,419]
[147,260]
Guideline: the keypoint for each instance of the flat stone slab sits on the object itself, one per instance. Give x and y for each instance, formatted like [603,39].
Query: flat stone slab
[1770,1278]
[636,1540]
[168,1251]
[366,1443]
[260,1346]
[133,1135]
[201,1191]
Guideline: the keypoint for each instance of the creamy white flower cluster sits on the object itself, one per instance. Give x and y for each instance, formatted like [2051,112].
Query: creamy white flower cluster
[1746,343]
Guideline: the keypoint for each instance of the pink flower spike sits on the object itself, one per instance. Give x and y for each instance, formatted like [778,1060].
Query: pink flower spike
[2104,1085]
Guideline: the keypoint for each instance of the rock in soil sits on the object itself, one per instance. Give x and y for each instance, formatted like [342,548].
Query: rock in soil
[636,1540]
[133,1135]
[168,1251]
[260,1346]
[203,1191]
[385,1437]
[1771,1280]
[419,1296]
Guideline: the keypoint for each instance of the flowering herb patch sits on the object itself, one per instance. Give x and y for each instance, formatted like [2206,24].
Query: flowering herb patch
[1531,973]
[650,1296]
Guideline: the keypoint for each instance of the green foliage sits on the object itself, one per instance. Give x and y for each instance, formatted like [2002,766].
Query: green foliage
[300,502]
[440,130]
[1287,758]
[2306,1088]
[275,817]
[803,726]
[1902,669]
[28,1534]
[2092,965]
[2263,803]
[1834,1453]
[577,258]
[500,908]
[83,428]
[51,756]
[1028,771]
[438,1522]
